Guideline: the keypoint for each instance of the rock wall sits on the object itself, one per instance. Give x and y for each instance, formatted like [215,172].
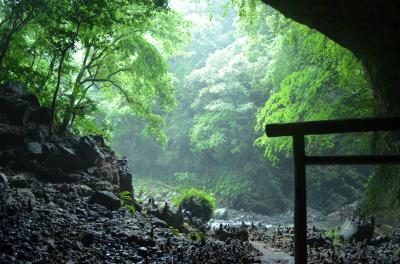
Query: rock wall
[25,146]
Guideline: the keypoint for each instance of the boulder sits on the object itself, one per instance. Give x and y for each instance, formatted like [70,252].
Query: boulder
[55,175]
[64,157]
[357,229]
[198,207]
[34,148]
[89,152]
[173,217]
[221,214]
[102,186]
[26,195]
[107,199]
[18,181]
[232,233]
[84,190]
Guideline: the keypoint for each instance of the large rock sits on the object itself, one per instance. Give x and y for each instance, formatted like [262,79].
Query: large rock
[55,175]
[125,176]
[107,199]
[64,157]
[221,214]
[198,207]
[34,148]
[18,181]
[89,152]
[357,229]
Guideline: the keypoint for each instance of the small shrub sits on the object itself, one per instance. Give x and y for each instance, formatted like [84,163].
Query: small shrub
[126,197]
[199,203]
[175,231]
[126,201]
[131,208]
[197,236]
[334,234]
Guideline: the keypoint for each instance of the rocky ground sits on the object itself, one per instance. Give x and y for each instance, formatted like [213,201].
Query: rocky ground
[60,201]
[323,248]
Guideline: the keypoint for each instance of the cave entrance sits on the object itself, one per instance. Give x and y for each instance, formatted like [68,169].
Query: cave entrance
[298,131]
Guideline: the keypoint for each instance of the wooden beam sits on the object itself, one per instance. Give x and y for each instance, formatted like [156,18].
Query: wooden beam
[333,126]
[357,159]
[300,201]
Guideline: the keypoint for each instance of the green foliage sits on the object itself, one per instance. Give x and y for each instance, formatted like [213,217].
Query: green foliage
[233,78]
[195,193]
[334,234]
[381,196]
[197,235]
[183,177]
[322,81]
[175,231]
[69,52]
[126,201]
[126,197]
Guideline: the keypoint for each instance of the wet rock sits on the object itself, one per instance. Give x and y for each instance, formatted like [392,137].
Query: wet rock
[34,148]
[84,190]
[107,199]
[226,233]
[198,207]
[64,158]
[142,251]
[89,152]
[357,229]
[156,222]
[55,175]
[125,176]
[379,240]
[221,214]
[18,181]
[172,216]
[3,179]
[26,195]
[102,186]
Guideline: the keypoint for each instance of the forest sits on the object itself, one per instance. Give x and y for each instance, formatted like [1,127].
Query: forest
[185,95]
[183,90]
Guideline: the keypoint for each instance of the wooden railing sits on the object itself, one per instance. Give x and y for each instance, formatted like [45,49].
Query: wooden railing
[298,131]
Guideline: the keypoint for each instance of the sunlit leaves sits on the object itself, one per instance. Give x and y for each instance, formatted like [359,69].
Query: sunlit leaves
[310,78]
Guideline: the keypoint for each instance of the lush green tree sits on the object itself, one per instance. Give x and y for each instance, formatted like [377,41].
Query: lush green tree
[71,47]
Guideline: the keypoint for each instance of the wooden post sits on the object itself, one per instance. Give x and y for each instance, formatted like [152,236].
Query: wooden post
[300,202]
